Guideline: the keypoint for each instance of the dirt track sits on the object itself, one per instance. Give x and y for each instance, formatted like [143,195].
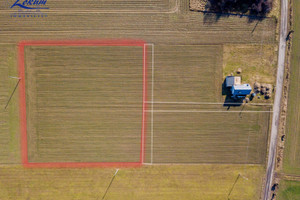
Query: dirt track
[276,107]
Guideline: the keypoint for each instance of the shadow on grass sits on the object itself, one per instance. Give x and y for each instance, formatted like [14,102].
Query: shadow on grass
[213,17]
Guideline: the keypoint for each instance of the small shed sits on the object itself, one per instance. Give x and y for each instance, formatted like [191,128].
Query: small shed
[232,80]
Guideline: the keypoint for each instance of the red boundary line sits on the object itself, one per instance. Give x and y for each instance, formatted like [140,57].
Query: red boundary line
[23,121]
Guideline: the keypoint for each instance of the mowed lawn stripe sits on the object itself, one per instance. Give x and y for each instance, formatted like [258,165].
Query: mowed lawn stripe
[4,115]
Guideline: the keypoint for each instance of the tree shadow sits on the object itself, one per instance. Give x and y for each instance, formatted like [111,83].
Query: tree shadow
[213,17]
[253,10]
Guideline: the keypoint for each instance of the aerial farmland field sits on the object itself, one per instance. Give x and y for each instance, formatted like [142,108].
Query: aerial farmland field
[291,154]
[10,148]
[4,113]
[87,105]
[134,86]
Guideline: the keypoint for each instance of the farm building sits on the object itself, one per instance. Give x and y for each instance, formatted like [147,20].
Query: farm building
[232,80]
[240,91]
[237,89]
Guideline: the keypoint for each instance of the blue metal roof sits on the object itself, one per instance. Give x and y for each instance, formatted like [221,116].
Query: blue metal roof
[244,89]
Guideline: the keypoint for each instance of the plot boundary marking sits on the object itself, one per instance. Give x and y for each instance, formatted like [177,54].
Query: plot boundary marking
[22,103]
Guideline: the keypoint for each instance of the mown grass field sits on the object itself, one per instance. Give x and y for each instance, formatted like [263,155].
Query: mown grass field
[84,104]
[4,120]
[185,73]
[205,182]
[292,144]
[166,26]
[209,137]
[88,108]
[9,112]
[258,62]
[289,190]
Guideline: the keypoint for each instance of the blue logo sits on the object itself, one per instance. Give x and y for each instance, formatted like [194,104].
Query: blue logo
[29,8]
[30,4]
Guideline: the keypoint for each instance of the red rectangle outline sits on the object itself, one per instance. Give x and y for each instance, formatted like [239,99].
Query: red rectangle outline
[23,122]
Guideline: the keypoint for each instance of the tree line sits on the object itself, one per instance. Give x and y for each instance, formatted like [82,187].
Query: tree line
[256,7]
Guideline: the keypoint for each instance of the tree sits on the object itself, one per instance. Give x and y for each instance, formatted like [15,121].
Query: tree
[256,7]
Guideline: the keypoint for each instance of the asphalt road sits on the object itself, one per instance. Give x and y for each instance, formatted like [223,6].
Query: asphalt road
[276,106]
